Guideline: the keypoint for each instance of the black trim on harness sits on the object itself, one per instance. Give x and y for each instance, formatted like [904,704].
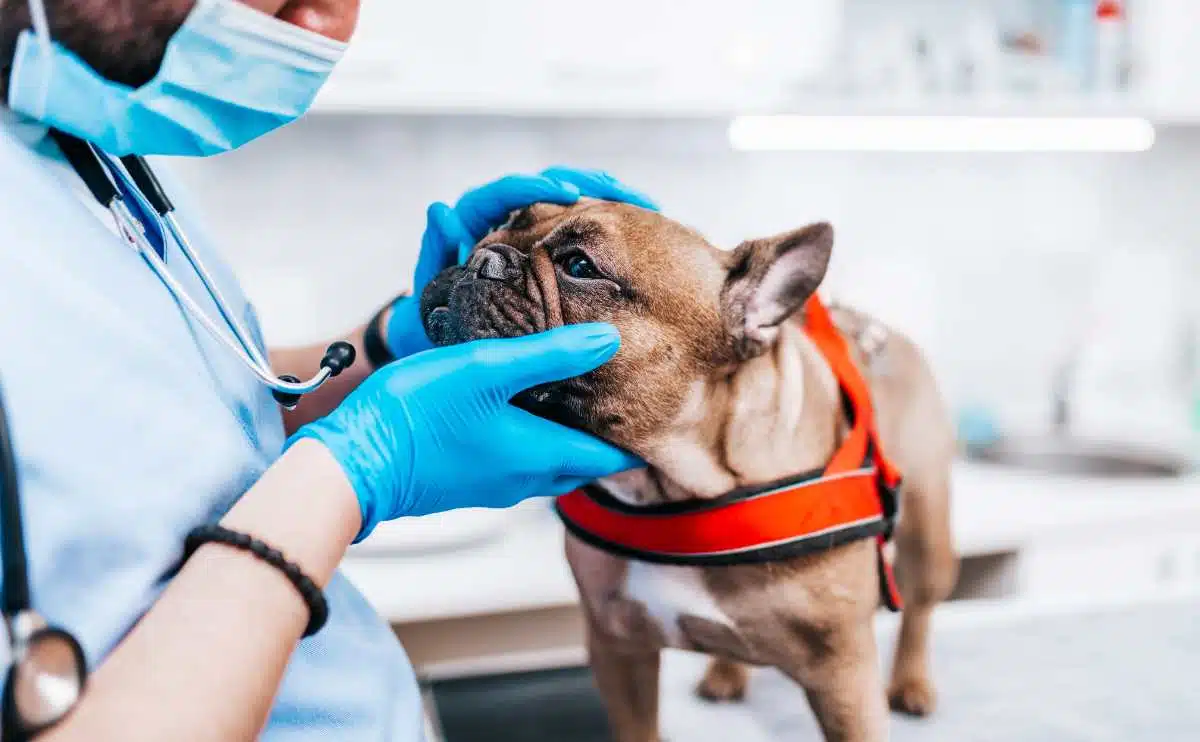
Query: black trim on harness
[883,569]
[799,546]
[602,498]
[681,507]
[889,498]
[889,494]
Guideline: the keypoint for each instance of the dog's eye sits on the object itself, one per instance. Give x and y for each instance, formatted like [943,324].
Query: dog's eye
[579,266]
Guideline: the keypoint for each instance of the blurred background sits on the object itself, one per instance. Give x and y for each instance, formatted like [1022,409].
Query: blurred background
[1014,183]
[977,254]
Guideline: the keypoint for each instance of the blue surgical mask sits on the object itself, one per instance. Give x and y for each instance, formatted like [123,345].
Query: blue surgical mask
[229,74]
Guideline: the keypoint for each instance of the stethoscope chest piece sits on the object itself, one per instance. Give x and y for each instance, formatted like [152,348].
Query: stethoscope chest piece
[46,677]
[47,668]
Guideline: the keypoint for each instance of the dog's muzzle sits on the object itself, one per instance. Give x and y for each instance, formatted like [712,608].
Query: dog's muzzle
[499,292]
[498,262]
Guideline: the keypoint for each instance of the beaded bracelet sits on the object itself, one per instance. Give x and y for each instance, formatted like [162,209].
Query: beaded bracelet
[374,346]
[314,598]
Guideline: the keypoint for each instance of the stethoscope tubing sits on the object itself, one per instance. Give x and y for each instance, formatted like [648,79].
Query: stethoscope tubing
[27,629]
[239,331]
[16,562]
[88,162]
[147,182]
[156,264]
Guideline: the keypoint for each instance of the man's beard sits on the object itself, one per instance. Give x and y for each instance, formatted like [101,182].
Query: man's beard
[123,40]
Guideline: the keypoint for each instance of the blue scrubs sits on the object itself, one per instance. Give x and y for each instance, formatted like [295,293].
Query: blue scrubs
[132,426]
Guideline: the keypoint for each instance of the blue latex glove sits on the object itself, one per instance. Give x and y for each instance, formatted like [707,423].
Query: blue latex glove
[435,431]
[451,233]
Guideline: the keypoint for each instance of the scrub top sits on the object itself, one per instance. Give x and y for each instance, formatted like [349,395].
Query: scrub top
[132,426]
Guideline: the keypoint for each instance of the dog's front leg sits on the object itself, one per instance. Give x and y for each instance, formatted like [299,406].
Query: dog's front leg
[627,678]
[844,685]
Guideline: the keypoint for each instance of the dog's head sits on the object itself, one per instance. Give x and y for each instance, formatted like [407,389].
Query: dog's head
[688,313]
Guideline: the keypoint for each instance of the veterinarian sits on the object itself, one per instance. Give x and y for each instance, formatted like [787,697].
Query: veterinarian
[181,527]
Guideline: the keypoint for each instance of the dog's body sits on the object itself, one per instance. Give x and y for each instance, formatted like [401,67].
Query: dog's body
[717,386]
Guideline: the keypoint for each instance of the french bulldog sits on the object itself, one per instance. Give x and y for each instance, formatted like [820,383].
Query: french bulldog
[716,386]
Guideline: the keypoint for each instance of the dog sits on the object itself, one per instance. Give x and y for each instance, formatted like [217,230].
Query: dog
[717,386]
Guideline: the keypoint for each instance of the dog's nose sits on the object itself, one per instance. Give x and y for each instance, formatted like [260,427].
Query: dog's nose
[496,262]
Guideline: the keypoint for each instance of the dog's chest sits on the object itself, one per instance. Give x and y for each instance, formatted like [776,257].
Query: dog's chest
[670,594]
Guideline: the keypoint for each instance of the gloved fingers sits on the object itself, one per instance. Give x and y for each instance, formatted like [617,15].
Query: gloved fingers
[510,365]
[455,234]
[510,496]
[586,458]
[599,184]
[566,454]
[488,206]
[405,333]
[439,248]
[566,483]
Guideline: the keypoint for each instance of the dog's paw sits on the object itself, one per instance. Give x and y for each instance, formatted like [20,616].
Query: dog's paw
[912,696]
[724,681]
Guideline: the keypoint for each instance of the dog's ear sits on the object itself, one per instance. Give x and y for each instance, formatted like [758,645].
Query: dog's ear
[768,280]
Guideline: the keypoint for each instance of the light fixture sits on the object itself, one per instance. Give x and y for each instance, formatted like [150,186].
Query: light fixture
[940,134]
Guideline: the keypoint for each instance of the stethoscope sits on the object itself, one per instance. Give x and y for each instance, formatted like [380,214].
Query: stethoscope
[47,670]
[144,232]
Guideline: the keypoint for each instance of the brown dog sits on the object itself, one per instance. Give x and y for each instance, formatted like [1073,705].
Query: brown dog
[717,386]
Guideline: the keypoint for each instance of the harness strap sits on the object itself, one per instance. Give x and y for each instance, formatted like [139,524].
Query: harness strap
[853,497]
[863,438]
[820,328]
[796,518]
[889,589]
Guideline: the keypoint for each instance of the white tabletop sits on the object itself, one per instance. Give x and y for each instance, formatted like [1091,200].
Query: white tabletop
[1100,671]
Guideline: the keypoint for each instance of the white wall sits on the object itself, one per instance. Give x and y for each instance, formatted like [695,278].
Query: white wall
[984,258]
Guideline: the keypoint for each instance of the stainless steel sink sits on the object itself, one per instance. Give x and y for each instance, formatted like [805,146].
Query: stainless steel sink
[1072,456]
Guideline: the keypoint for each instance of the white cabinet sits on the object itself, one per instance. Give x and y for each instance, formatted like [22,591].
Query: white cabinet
[673,57]
[1167,58]
[546,56]
[1111,565]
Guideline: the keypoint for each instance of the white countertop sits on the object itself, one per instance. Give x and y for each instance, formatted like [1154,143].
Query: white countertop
[995,510]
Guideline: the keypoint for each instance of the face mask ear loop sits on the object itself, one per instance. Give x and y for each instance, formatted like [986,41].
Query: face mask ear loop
[41,24]
[41,27]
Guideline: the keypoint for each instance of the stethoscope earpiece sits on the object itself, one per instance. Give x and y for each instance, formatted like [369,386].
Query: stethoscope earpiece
[338,357]
[287,400]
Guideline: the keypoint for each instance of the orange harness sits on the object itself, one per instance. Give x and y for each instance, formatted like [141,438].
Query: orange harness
[853,497]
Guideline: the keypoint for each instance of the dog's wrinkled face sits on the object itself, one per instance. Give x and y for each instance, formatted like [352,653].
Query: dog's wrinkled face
[686,310]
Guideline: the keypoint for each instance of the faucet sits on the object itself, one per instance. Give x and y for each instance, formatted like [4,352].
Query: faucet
[1064,373]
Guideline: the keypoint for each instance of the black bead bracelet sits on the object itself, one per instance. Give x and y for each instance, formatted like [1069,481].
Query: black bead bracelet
[318,608]
[374,346]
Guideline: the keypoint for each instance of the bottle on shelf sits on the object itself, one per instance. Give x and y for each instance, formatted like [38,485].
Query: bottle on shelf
[1109,68]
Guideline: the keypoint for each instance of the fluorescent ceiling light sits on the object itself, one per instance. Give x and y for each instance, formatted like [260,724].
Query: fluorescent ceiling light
[939,134]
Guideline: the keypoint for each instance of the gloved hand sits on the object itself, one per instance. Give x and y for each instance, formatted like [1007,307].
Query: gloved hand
[435,431]
[451,233]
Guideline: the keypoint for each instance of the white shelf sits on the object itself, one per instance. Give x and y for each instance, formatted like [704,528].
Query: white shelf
[543,57]
[539,58]
[346,97]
